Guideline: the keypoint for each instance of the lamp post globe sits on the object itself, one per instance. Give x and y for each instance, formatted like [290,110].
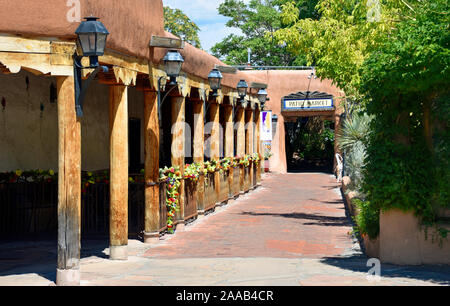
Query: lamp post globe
[91,39]
[215,78]
[262,97]
[173,62]
[242,88]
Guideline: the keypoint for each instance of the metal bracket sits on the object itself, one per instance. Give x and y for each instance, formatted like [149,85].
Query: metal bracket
[161,101]
[80,88]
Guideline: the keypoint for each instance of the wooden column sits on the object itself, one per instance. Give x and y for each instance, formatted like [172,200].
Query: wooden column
[258,145]
[69,185]
[151,136]
[240,124]
[229,142]
[229,131]
[199,152]
[249,140]
[215,143]
[119,172]
[178,150]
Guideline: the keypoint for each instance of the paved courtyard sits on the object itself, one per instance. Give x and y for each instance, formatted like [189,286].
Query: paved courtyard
[292,231]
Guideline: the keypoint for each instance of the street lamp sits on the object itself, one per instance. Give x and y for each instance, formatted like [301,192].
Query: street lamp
[262,97]
[173,62]
[215,78]
[91,42]
[242,88]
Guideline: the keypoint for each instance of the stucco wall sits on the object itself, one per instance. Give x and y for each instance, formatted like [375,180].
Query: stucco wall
[404,242]
[29,140]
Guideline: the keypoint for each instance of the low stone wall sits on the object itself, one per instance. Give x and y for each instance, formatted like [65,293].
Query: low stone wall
[372,247]
[403,241]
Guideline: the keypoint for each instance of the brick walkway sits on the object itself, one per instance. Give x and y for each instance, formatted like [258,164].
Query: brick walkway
[291,231]
[292,216]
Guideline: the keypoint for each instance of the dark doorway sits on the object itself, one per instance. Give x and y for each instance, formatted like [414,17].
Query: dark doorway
[134,144]
[310,144]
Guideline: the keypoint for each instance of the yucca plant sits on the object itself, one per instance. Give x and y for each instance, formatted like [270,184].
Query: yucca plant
[352,140]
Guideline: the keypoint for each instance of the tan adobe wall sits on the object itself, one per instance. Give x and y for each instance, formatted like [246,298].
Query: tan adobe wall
[29,141]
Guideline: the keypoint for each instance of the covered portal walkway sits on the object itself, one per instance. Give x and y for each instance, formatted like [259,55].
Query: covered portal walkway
[293,231]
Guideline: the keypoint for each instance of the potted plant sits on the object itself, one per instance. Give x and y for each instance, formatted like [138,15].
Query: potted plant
[267,155]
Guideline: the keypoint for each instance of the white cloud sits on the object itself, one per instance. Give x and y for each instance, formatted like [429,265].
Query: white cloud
[204,13]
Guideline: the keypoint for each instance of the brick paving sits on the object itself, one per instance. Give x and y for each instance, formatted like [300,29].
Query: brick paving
[292,231]
[292,216]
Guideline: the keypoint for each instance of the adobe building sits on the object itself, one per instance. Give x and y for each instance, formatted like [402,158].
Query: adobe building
[127,125]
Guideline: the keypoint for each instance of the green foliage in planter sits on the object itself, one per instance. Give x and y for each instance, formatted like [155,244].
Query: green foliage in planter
[368,219]
[407,79]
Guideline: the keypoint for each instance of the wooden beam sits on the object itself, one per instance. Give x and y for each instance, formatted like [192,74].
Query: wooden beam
[226,69]
[166,42]
[258,85]
[151,234]
[69,185]
[119,172]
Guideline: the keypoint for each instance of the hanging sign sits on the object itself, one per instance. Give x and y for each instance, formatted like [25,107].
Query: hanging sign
[308,104]
[266,126]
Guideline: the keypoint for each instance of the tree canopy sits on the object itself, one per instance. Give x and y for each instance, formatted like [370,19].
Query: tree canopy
[258,21]
[392,59]
[177,23]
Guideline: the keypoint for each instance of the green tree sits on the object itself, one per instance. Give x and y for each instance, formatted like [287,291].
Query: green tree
[393,56]
[177,23]
[258,21]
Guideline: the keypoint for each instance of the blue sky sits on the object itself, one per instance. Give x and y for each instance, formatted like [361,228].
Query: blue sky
[204,14]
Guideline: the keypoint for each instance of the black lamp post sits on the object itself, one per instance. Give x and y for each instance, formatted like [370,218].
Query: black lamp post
[215,78]
[262,97]
[91,42]
[172,63]
[242,88]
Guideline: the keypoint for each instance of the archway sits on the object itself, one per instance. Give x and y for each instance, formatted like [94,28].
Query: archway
[309,131]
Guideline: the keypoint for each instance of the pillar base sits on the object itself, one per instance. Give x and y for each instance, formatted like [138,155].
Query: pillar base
[68,277]
[118,252]
[151,238]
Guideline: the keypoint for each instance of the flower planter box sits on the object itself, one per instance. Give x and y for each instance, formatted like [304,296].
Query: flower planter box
[224,187]
[190,199]
[236,181]
[247,179]
[210,198]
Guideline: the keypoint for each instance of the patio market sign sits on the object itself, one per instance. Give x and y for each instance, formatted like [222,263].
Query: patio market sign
[307,101]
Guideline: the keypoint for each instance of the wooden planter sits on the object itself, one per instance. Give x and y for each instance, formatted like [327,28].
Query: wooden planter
[224,186]
[210,198]
[190,199]
[255,175]
[235,188]
[247,178]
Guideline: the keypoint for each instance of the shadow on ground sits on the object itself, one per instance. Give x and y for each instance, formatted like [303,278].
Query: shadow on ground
[437,274]
[321,220]
[40,256]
